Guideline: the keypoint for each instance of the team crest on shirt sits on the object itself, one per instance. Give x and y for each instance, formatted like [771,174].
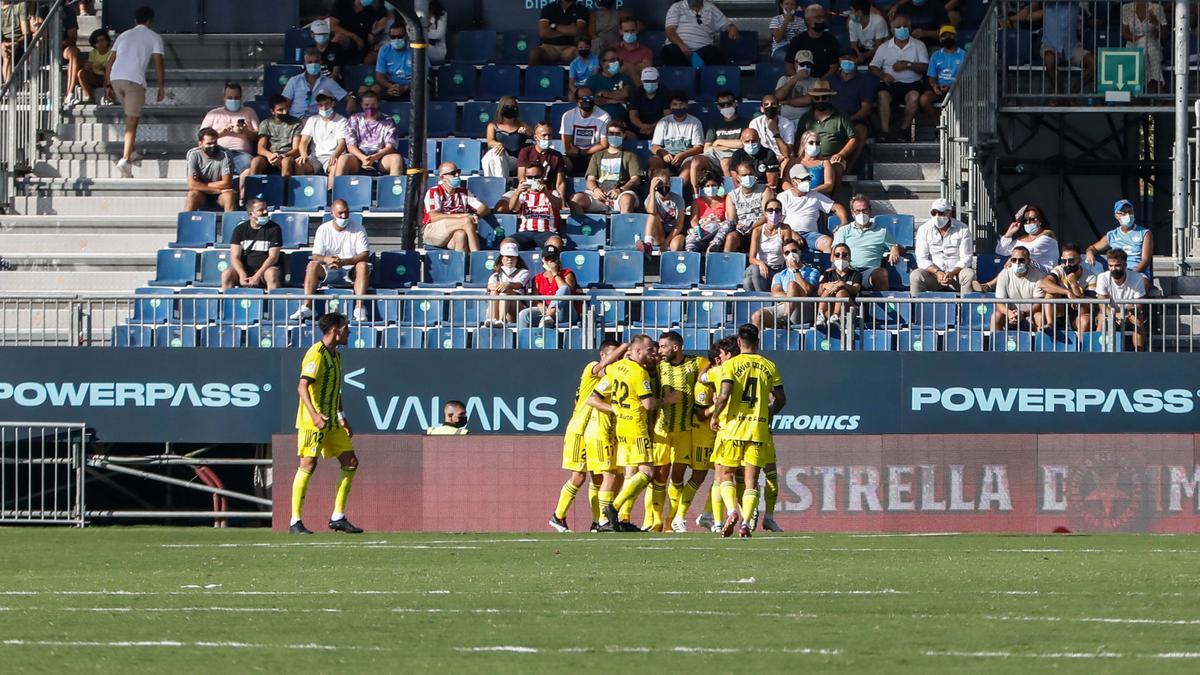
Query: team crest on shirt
[310,368]
[646,387]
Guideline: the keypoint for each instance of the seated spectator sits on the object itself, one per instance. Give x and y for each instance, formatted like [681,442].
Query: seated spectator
[869,245]
[394,66]
[334,56]
[944,65]
[370,143]
[322,140]
[210,174]
[667,209]
[1117,284]
[237,129]
[693,27]
[721,140]
[792,90]
[787,283]
[633,55]
[1069,280]
[1031,230]
[554,279]
[854,95]
[354,24]
[543,154]
[678,138]
[1135,240]
[841,280]
[71,56]
[435,32]
[339,251]
[802,210]
[1019,280]
[868,29]
[767,243]
[583,131]
[507,134]
[647,105]
[91,73]
[1060,42]
[613,176]
[944,253]
[254,251]
[510,276]
[821,45]
[809,161]
[765,163]
[14,33]
[925,16]
[606,24]
[840,141]
[561,26]
[784,26]
[301,88]
[582,67]
[744,206]
[900,65]
[452,213]
[278,142]
[454,413]
[777,133]
[711,226]
[537,208]
[610,85]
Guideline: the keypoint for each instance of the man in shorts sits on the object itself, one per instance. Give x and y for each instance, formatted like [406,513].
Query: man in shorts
[125,77]
[340,249]
[788,283]
[613,176]
[322,139]
[254,251]
[452,213]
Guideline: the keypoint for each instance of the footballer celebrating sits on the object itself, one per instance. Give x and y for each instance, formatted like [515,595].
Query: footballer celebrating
[673,448]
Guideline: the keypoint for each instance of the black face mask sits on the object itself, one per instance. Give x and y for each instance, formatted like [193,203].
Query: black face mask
[771,112]
[213,151]
[818,26]
[1118,275]
[508,111]
[948,43]
[584,53]
[1070,268]
[822,106]
[663,188]
[587,106]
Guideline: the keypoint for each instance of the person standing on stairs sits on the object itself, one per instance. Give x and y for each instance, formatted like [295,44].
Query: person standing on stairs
[125,77]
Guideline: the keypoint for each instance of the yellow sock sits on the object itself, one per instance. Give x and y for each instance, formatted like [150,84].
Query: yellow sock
[565,496]
[629,493]
[749,503]
[345,478]
[771,492]
[740,481]
[686,494]
[715,502]
[647,510]
[606,499]
[299,489]
[729,496]
[658,499]
[674,495]
[594,501]
[624,513]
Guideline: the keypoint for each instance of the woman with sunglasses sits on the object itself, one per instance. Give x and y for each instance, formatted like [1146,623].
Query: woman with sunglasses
[767,241]
[1031,230]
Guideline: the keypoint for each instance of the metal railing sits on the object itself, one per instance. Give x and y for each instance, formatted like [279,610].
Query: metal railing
[41,473]
[31,99]
[434,319]
[968,128]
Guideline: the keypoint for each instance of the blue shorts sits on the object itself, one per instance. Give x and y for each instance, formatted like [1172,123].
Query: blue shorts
[811,238]
[240,161]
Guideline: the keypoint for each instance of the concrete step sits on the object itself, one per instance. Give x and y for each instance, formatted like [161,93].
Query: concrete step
[112,204]
[153,113]
[222,50]
[899,189]
[71,262]
[904,171]
[72,280]
[113,149]
[929,152]
[80,187]
[89,224]
[112,132]
[106,168]
[54,245]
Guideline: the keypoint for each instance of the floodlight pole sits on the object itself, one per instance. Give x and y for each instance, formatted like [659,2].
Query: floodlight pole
[1179,167]
[414,189]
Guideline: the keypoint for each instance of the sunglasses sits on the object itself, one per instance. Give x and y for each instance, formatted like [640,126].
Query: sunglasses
[587,99]
[699,21]
[841,255]
[1068,261]
[774,210]
[456,172]
[1019,260]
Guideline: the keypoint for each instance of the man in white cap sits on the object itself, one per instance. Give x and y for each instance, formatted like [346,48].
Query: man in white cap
[333,55]
[944,252]
[792,90]
[647,104]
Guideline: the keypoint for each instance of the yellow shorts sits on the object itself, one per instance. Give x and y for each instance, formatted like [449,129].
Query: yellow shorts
[761,454]
[574,456]
[702,457]
[734,454]
[599,454]
[633,450]
[325,443]
[673,447]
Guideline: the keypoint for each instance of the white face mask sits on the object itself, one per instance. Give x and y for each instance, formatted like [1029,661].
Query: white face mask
[793,259]
[509,269]
[941,221]
[728,113]
[841,264]
[862,219]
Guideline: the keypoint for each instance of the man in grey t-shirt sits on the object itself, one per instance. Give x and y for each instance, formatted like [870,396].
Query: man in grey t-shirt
[210,174]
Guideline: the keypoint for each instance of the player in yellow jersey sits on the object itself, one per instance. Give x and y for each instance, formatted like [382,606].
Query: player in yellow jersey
[750,393]
[677,376]
[725,349]
[703,438]
[577,452]
[627,391]
[321,424]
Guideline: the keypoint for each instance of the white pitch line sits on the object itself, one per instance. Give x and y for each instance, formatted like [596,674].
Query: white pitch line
[179,644]
[1097,619]
[653,650]
[1026,655]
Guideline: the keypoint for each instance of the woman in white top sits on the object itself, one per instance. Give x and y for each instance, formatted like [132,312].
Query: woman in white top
[766,248]
[784,26]
[1030,229]
[509,277]
[744,205]
[435,33]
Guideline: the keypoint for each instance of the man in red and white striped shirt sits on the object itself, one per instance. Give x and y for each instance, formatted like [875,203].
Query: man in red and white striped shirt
[452,213]
[537,209]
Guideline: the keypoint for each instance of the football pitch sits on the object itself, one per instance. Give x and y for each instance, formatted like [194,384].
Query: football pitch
[191,600]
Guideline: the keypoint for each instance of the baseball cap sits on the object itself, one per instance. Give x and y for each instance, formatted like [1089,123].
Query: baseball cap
[550,252]
[948,29]
[325,95]
[1121,205]
[320,26]
[510,248]
[941,204]
[799,172]
[650,74]
[803,56]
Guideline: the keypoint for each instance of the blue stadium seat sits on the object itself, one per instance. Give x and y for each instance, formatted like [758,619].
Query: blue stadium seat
[696,339]
[196,310]
[586,231]
[577,184]
[672,79]
[707,314]
[779,340]
[963,341]
[362,337]
[441,119]
[456,82]
[242,306]
[661,314]
[532,113]
[623,269]
[707,113]
[1012,341]
[466,312]
[444,269]
[515,46]
[555,115]
[424,309]
[749,304]
[357,76]
[988,267]
[195,229]
[766,74]
[616,111]
[398,269]
[496,82]
[176,336]
[537,338]
[1098,341]
[1059,341]
[496,227]
[132,336]
[229,223]
[585,265]
[212,265]
[573,338]
[389,193]
[174,268]
[655,40]
[332,300]
[900,225]
[480,267]
[872,340]
[933,316]
[475,46]
[307,193]
[464,152]
[153,309]
[642,150]
[679,269]
[400,112]
[821,341]
[977,315]
[265,187]
[475,118]
[744,50]
[495,338]
[626,229]
[533,260]
[431,157]
[724,270]
[488,189]
[266,337]
[402,337]
[715,79]
[917,341]
[749,109]
[296,265]
[355,190]
[612,310]
[446,337]
[545,83]
[295,42]
[221,336]
[1016,47]
[294,227]
[275,78]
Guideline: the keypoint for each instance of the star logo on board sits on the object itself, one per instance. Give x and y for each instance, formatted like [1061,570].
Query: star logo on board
[1107,491]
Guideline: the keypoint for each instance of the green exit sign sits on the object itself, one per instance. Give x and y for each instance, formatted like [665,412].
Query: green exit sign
[1122,70]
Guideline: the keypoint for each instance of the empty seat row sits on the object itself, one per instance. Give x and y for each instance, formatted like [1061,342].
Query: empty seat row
[311,193]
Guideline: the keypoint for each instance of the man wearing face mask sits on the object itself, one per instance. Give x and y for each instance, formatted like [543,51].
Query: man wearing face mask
[210,174]
[792,90]
[610,84]
[841,280]
[394,66]
[867,28]
[540,153]
[869,245]
[254,251]
[925,16]
[754,153]
[1136,241]
[900,64]
[854,95]
[301,88]
[1019,280]
[452,213]
[370,143]
[537,209]
[339,250]
[777,133]
[634,56]
[944,65]
[322,140]
[1117,284]
[278,141]
[693,27]
[677,138]
[803,208]
[454,421]
[788,283]
[821,45]
[944,253]
[723,138]
[560,25]
[613,176]
[840,141]
[1068,281]
[237,129]
[583,131]
[646,104]
[333,55]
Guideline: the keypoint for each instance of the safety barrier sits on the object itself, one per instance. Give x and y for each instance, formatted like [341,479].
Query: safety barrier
[41,473]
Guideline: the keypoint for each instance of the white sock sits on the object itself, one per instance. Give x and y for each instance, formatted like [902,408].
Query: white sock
[295,520]
[337,515]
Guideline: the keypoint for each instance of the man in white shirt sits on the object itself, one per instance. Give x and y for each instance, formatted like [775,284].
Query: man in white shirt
[339,250]
[792,90]
[582,131]
[125,77]
[1019,280]
[944,252]
[900,65]
[678,137]
[323,139]
[1119,284]
[802,211]
[777,133]
[693,27]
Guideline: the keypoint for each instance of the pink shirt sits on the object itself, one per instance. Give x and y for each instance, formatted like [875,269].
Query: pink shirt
[219,118]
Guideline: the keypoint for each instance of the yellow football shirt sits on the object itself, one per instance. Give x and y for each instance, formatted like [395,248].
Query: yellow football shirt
[676,417]
[625,384]
[747,415]
[323,370]
[583,412]
[702,434]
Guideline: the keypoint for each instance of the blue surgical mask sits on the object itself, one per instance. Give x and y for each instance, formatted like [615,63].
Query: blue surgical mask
[616,141]
[262,220]
[846,66]
[750,148]
[312,68]
[1020,268]
[629,38]
[812,150]
[326,112]
[454,181]
[902,33]
[748,182]
[614,67]
[1126,220]
[398,43]
[1032,228]
[233,104]
[367,3]
[710,190]
[341,222]
[650,87]
[321,38]
[543,143]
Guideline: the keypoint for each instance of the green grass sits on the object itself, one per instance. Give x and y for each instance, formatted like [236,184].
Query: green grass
[620,602]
